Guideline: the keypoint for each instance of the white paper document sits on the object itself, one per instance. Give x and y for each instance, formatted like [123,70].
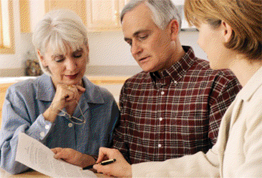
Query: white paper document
[37,156]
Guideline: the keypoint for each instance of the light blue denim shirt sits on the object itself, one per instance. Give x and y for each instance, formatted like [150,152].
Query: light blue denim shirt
[22,112]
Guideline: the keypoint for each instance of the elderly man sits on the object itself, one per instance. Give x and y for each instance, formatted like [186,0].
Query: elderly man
[175,105]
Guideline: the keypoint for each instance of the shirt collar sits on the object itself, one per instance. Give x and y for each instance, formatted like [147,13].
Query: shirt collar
[177,70]
[46,91]
[252,85]
[93,93]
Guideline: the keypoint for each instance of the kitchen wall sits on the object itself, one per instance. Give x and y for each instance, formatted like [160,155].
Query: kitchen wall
[109,54]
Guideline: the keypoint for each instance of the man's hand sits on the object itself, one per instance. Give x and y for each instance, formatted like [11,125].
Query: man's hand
[73,157]
[120,168]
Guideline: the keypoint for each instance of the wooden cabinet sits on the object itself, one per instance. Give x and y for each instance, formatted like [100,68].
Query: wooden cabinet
[104,15]
[25,25]
[78,6]
[31,11]
[97,15]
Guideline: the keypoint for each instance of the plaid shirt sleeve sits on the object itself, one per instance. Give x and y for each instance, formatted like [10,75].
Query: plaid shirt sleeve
[225,89]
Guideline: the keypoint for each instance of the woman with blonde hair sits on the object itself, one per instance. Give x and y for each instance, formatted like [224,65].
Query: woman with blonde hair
[230,32]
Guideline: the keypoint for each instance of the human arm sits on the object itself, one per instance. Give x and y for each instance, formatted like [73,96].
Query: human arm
[64,96]
[19,115]
[252,142]
[103,124]
[22,113]
[197,165]
[73,157]
[120,168]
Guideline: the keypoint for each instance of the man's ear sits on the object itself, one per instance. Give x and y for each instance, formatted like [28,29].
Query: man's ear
[174,29]
[41,58]
[227,31]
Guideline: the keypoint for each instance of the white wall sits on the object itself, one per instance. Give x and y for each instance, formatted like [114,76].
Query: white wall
[109,48]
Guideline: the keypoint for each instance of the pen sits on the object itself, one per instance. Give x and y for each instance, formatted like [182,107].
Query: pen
[106,162]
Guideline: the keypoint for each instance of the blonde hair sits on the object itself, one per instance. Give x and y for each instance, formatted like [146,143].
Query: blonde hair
[244,17]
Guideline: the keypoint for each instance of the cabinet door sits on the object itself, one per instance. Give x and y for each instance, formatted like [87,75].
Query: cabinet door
[104,14]
[24,6]
[78,6]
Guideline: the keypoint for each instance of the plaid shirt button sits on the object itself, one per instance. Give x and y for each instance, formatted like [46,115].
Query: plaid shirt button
[159,145]
[160,118]
[162,92]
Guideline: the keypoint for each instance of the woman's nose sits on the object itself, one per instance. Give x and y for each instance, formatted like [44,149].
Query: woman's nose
[71,64]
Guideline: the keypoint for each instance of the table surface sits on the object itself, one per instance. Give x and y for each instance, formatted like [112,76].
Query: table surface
[31,174]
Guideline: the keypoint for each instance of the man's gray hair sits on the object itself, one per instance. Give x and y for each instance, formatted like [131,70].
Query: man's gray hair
[61,30]
[163,11]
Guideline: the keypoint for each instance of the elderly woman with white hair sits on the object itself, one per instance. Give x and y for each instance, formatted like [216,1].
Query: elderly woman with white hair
[61,108]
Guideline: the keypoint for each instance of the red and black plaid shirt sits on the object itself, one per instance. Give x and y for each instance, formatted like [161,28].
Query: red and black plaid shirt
[175,114]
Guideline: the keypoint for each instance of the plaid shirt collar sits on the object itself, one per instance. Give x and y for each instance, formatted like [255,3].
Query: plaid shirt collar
[176,71]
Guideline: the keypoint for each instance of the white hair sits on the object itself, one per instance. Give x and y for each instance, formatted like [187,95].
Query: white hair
[61,30]
[163,11]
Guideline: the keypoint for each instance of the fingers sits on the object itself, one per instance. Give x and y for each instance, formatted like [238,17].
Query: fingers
[67,93]
[107,170]
[71,92]
[80,89]
[56,150]
[64,153]
[60,153]
[73,157]
[103,154]
[119,168]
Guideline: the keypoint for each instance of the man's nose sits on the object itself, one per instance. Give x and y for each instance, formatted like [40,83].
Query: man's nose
[136,48]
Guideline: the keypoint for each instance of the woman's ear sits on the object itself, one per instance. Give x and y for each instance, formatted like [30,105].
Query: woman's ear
[174,29]
[41,58]
[227,31]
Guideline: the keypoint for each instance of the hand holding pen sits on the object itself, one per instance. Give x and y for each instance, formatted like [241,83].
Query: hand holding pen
[116,165]
[106,162]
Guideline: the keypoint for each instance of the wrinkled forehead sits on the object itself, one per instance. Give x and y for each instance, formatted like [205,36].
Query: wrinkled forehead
[138,19]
